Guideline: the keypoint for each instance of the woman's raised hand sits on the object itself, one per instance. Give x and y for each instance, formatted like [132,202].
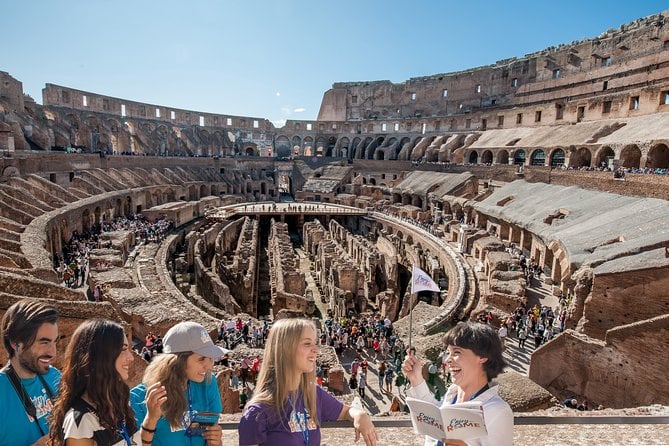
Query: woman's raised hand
[413,369]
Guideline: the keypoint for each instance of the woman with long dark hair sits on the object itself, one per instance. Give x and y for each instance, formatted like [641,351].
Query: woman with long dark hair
[93,406]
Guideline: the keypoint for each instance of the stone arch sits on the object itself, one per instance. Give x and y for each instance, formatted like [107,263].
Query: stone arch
[396,197]
[86,220]
[630,157]
[503,157]
[581,158]
[156,198]
[192,193]
[371,149]
[457,212]
[486,157]
[148,200]
[557,158]
[97,214]
[249,151]
[282,146]
[538,158]
[204,191]
[473,157]
[353,148]
[297,145]
[417,201]
[331,144]
[320,146]
[308,146]
[362,152]
[603,156]
[519,157]
[403,142]
[343,145]
[658,157]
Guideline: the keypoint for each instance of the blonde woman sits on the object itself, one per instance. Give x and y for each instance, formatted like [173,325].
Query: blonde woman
[288,407]
[178,391]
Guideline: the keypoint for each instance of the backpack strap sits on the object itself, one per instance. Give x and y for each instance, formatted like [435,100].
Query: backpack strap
[23,394]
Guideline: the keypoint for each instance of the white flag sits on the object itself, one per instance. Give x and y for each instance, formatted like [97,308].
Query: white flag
[421,281]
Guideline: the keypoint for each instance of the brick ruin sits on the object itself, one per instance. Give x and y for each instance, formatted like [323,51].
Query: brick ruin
[433,165]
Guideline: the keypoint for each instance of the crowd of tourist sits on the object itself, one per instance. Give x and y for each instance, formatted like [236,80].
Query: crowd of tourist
[74,262]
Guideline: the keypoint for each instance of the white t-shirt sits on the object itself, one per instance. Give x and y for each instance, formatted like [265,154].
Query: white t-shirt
[81,422]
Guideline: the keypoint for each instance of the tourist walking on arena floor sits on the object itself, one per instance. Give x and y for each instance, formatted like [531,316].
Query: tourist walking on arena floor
[177,387]
[362,384]
[93,407]
[28,384]
[522,336]
[288,407]
[389,375]
[382,374]
[474,359]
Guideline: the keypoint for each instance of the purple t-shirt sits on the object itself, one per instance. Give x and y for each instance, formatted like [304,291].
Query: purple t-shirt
[263,426]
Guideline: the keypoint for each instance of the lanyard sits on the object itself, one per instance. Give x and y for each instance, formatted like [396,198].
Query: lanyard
[190,407]
[479,392]
[302,420]
[123,430]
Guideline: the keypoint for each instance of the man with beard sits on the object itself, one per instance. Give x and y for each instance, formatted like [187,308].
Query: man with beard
[28,384]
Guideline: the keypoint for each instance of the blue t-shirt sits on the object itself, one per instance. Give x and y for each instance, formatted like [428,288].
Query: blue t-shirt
[261,425]
[17,427]
[204,397]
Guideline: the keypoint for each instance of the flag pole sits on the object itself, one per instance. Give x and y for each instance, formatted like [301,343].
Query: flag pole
[410,318]
[420,281]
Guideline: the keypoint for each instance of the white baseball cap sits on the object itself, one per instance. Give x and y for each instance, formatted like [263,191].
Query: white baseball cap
[191,337]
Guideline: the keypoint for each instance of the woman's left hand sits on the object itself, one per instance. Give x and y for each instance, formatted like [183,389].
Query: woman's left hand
[213,435]
[364,427]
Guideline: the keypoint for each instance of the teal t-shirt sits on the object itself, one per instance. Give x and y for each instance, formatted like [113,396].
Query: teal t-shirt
[17,427]
[204,397]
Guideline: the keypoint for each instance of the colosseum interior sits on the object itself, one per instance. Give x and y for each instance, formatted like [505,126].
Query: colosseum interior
[562,154]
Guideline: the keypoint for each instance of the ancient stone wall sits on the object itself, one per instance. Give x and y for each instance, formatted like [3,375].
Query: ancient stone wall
[209,285]
[288,285]
[623,297]
[567,75]
[236,258]
[607,371]
[11,91]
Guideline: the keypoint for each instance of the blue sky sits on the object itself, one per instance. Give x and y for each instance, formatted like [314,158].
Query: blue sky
[275,59]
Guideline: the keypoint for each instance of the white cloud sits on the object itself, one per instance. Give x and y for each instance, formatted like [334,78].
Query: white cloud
[278,93]
[300,110]
[286,111]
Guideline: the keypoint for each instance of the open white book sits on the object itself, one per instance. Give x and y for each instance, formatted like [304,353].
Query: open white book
[460,421]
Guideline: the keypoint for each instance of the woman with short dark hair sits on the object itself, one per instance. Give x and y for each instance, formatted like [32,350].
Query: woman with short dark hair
[474,359]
